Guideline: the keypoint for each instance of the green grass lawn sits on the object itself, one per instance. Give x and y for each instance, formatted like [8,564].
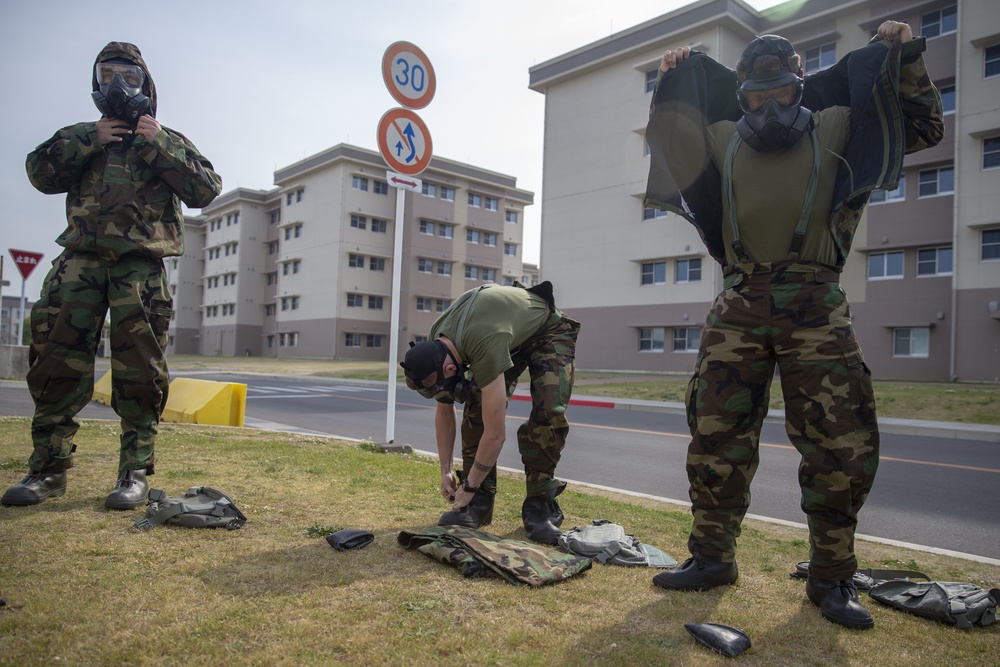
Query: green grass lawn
[83,587]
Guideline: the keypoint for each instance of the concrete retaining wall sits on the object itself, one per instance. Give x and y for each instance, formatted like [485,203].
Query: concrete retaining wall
[13,361]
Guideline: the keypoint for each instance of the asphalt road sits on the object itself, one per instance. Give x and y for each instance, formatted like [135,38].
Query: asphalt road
[938,492]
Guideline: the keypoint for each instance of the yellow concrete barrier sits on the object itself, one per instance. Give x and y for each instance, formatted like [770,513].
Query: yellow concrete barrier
[191,401]
[102,389]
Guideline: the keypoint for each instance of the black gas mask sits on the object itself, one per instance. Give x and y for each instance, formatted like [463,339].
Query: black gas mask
[119,93]
[773,116]
[423,368]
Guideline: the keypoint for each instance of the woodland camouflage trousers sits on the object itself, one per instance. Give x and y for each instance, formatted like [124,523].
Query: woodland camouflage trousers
[66,325]
[795,315]
[549,357]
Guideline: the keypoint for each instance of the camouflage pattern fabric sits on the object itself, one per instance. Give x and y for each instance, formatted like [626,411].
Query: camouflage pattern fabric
[65,327]
[549,357]
[797,315]
[479,554]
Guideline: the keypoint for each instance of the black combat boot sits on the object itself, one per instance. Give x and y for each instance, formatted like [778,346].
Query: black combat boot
[542,516]
[130,490]
[838,600]
[479,511]
[35,487]
[697,574]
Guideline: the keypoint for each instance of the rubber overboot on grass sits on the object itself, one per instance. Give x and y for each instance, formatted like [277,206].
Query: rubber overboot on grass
[542,516]
[697,574]
[479,512]
[838,600]
[130,491]
[35,488]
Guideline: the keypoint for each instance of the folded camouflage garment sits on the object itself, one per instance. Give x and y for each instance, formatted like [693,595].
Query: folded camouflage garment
[479,554]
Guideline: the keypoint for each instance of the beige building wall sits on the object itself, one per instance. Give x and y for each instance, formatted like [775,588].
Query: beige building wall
[597,240]
[313,258]
[184,277]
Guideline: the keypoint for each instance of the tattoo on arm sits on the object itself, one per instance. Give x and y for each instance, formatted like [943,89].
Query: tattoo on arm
[479,466]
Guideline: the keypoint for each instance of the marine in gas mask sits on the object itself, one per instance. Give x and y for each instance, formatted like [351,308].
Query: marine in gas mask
[119,90]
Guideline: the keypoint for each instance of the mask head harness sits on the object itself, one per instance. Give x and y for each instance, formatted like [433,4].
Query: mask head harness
[423,367]
[773,116]
[120,90]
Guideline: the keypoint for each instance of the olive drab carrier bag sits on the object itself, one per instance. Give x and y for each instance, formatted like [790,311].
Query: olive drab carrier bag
[200,507]
[609,544]
[960,604]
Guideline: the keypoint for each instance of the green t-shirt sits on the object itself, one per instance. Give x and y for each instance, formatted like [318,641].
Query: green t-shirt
[499,320]
[770,189]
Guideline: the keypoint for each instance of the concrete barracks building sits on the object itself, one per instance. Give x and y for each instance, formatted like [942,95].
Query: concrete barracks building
[305,269]
[924,274]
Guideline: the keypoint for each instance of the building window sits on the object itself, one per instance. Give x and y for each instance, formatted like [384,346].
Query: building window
[298,195]
[472,235]
[352,340]
[820,57]
[654,273]
[428,189]
[272,278]
[355,300]
[491,203]
[373,340]
[425,265]
[356,261]
[476,201]
[375,302]
[377,264]
[510,249]
[270,342]
[947,98]
[427,227]
[295,231]
[651,78]
[935,182]
[689,270]
[441,305]
[991,244]
[940,22]
[447,194]
[686,339]
[275,217]
[510,216]
[489,239]
[290,199]
[423,304]
[991,153]
[885,265]
[934,261]
[508,281]
[649,213]
[381,187]
[272,247]
[444,268]
[379,226]
[651,339]
[882,196]
[359,221]
[911,342]
[359,183]
[446,231]
[269,310]
[991,61]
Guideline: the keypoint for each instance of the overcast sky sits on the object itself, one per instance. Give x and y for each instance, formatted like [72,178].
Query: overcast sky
[259,85]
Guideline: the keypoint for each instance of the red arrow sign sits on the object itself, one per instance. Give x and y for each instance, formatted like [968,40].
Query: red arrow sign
[400,181]
[26,261]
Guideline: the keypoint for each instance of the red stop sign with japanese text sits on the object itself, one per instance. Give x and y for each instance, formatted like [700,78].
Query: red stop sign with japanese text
[26,261]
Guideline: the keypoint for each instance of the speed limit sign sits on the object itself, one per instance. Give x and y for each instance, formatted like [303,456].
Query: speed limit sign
[408,75]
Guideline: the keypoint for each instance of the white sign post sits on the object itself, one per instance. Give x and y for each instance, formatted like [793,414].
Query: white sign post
[405,144]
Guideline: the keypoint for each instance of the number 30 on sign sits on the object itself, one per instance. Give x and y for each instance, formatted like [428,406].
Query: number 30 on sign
[409,75]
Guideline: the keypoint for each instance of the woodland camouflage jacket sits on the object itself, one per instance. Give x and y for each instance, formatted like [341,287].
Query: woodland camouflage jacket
[124,197]
[895,110]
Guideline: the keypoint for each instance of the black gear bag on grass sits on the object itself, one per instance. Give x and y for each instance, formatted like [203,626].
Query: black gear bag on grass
[960,604]
[200,507]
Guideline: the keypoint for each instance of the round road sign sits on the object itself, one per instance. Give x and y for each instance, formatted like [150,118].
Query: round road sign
[408,75]
[404,141]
